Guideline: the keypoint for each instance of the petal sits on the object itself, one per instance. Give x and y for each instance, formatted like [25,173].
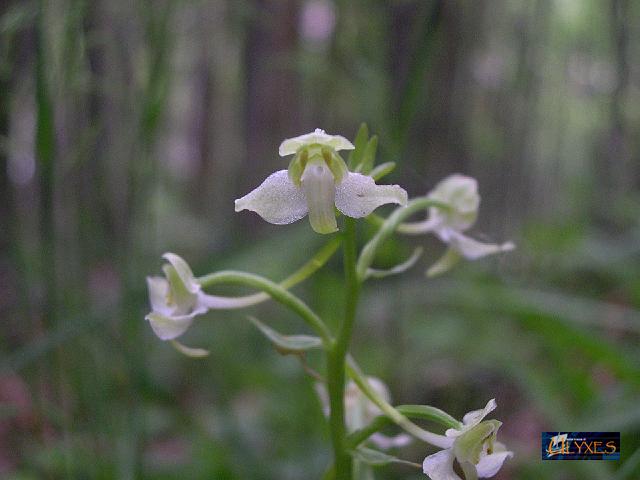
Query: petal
[169,327]
[489,465]
[385,442]
[358,195]
[184,272]
[277,200]
[461,194]
[319,189]
[475,417]
[319,136]
[439,466]
[158,290]
[472,249]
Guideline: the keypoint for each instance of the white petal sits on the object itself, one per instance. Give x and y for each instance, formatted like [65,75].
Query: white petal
[170,327]
[337,142]
[461,194]
[320,190]
[158,290]
[385,442]
[472,249]
[277,200]
[489,465]
[439,466]
[358,195]
[474,417]
[184,272]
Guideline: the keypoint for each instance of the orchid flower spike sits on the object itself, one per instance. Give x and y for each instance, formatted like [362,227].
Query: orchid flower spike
[360,411]
[317,180]
[459,194]
[177,298]
[474,447]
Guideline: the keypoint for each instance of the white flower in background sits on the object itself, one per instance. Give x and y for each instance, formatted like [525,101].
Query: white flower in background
[474,446]
[177,298]
[460,194]
[360,411]
[316,181]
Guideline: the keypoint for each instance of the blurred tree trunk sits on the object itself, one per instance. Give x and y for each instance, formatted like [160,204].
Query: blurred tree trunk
[616,170]
[272,102]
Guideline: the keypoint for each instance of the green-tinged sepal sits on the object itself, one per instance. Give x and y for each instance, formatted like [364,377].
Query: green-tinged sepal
[297,166]
[335,163]
[287,344]
[471,444]
[178,294]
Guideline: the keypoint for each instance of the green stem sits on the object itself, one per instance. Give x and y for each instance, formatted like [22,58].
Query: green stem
[278,293]
[420,412]
[388,227]
[305,271]
[337,356]
[289,300]
[396,417]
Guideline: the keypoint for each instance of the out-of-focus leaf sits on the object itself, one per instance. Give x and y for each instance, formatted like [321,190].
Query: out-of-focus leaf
[368,156]
[376,457]
[287,344]
[360,142]
[400,268]
[382,170]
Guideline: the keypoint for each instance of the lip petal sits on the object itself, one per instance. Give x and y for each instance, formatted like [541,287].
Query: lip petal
[320,191]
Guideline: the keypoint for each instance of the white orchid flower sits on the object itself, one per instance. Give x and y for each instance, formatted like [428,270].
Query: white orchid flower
[460,194]
[178,297]
[360,411]
[317,181]
[474,446]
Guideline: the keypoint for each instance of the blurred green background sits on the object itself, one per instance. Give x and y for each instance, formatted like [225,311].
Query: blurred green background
[127,128]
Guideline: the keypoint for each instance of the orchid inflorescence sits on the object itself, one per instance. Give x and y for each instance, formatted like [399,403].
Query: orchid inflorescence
[321,184]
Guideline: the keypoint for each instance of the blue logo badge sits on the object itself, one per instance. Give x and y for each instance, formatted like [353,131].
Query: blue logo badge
[580,445]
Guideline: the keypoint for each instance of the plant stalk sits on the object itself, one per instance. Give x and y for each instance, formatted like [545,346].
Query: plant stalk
[338,353]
